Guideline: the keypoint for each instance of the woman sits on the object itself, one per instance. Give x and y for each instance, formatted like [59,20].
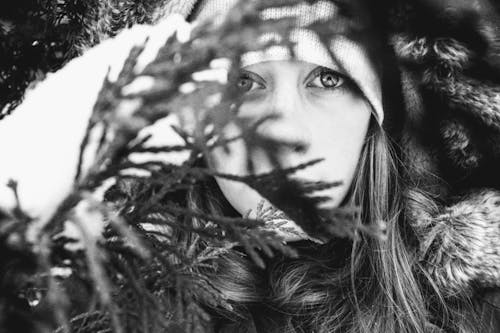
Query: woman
[334,102]
[336,107]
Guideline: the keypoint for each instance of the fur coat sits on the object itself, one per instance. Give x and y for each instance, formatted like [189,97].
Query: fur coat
[449,70]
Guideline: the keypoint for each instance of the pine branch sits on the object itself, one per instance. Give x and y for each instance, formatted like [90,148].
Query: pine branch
[154,279]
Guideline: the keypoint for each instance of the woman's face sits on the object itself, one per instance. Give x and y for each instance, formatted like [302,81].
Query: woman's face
[317,106]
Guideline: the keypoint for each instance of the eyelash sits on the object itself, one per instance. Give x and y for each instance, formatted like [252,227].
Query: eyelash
[319,71]
[316,73]
[252,78]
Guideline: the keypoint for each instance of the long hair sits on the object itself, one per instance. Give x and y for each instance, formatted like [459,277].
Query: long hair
[368,284]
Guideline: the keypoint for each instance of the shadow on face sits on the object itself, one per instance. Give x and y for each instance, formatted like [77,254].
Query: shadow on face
[317,106]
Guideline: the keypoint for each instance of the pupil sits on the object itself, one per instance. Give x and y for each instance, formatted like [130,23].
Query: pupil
[328,80]
[244,84]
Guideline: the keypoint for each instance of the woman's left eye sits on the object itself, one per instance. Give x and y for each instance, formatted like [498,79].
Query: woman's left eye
[326,78]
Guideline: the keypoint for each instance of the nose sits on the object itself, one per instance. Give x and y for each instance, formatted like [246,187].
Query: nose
[290,125]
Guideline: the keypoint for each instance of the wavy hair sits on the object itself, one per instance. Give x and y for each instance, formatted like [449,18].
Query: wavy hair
[369,284]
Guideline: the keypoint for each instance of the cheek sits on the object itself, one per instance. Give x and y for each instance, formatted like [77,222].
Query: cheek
[338,132]
[234,161]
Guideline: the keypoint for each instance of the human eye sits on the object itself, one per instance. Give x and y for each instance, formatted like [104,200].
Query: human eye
[325,78]
[248,81]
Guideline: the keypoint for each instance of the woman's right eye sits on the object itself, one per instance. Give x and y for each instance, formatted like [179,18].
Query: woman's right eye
[249,82]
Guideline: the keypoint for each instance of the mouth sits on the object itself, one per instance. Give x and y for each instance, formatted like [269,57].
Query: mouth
[322,192]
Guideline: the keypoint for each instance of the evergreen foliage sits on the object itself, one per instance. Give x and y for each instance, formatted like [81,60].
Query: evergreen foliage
[40,36]
[150,270]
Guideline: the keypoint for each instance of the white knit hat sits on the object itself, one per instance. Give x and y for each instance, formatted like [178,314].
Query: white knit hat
[351,57]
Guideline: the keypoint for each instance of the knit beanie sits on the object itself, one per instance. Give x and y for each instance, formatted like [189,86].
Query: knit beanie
[349,52]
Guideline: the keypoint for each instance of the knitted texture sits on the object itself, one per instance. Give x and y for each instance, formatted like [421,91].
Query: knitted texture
[346,52]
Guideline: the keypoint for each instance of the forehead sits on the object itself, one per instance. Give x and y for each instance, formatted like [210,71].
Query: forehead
[273,65]
[284,66]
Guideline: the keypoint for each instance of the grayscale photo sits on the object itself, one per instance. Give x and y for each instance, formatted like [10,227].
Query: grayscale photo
[250,166]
